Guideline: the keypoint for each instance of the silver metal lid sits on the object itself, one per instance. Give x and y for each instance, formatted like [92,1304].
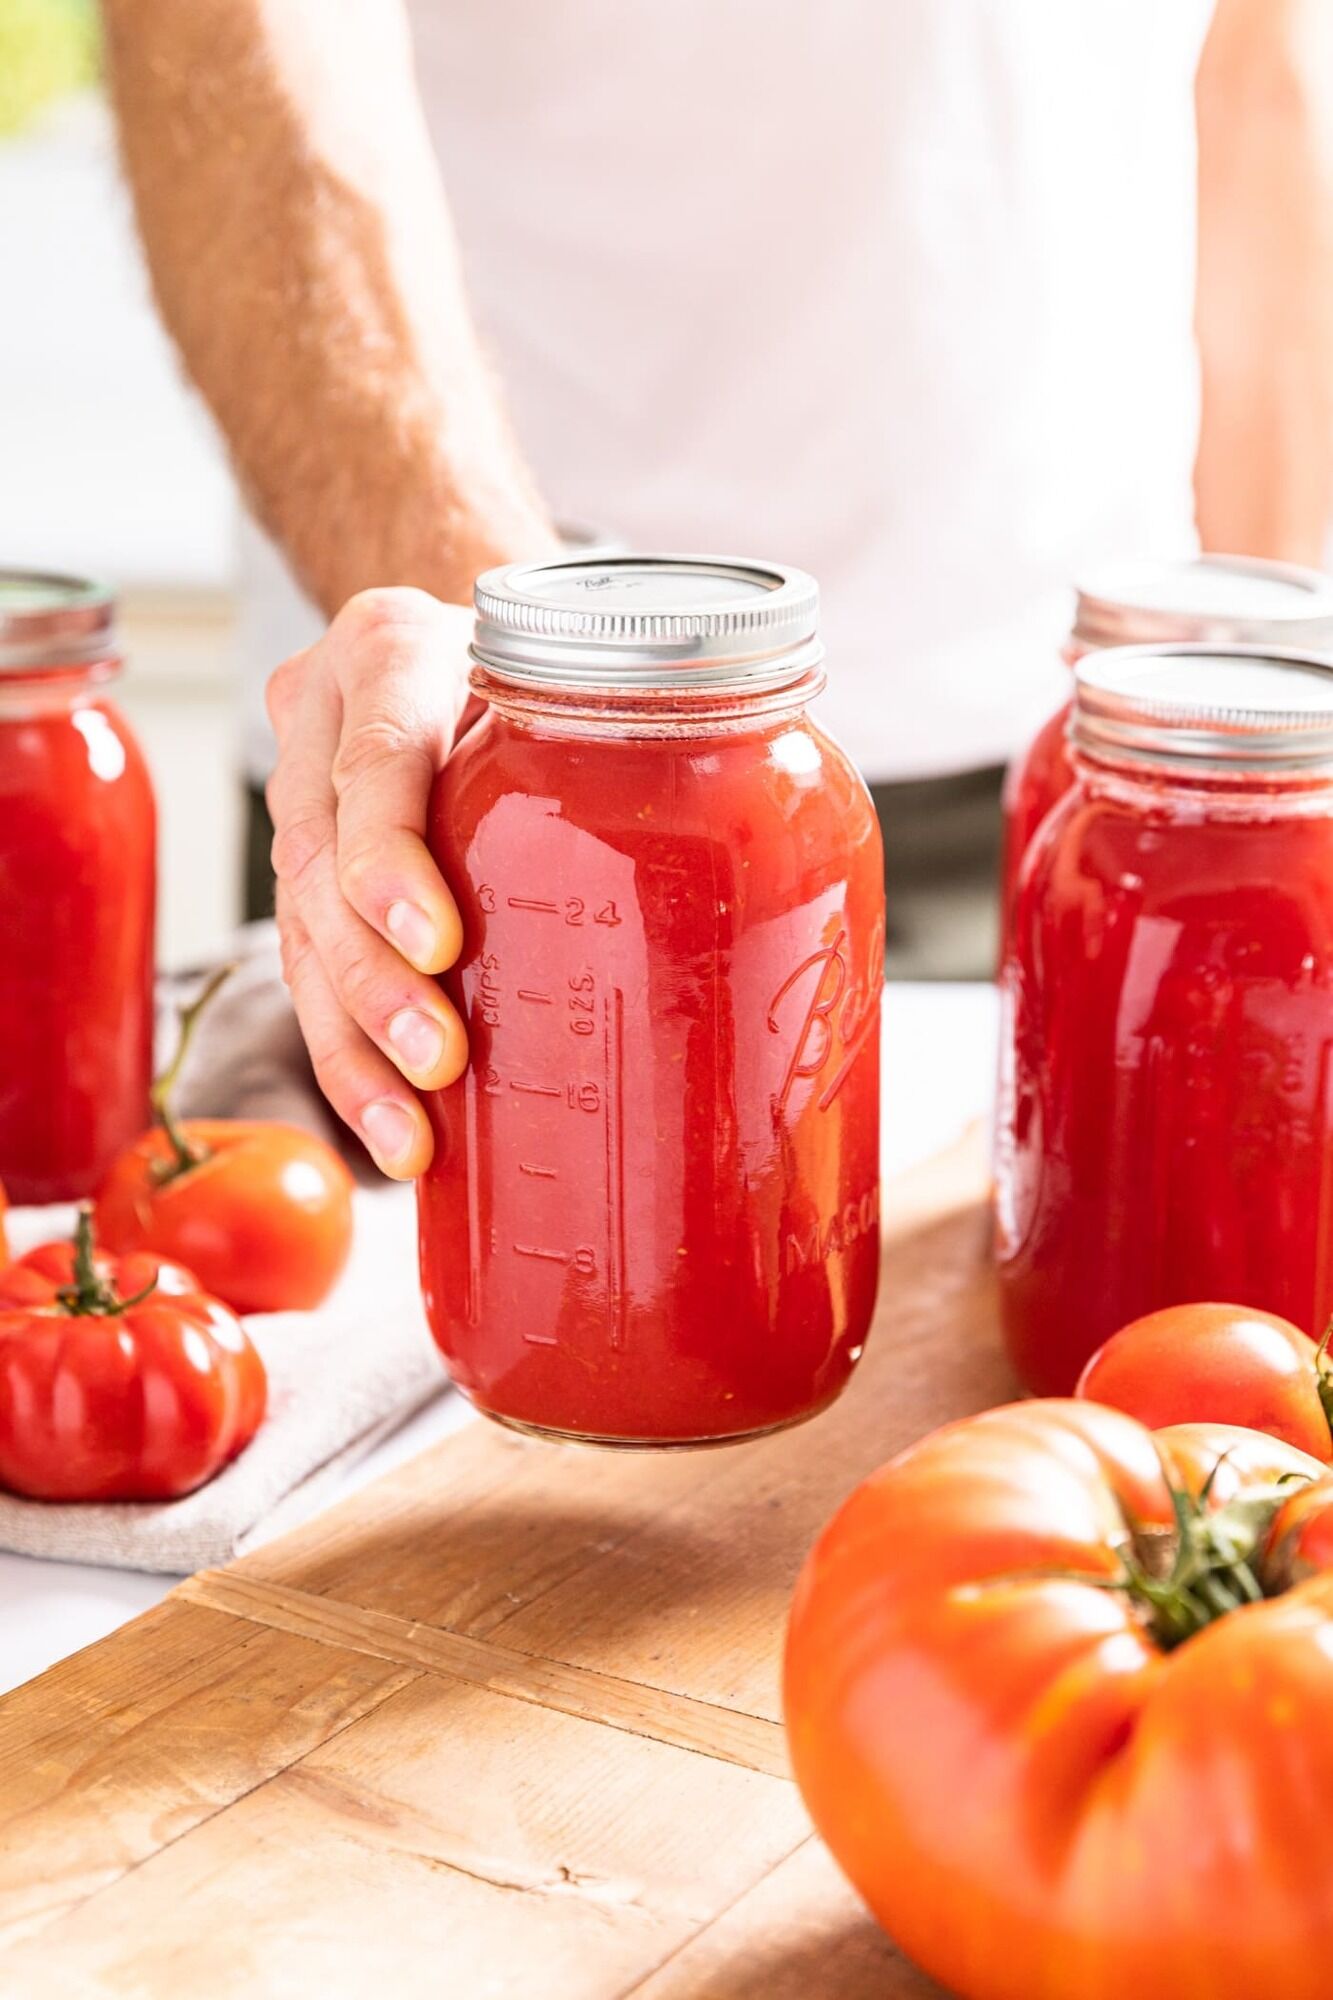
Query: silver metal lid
[1218,600]
[1242,708]
[48,620]
[626,622]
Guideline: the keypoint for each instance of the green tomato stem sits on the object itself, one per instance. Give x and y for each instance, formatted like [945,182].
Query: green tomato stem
[89,1296]
[185,1155]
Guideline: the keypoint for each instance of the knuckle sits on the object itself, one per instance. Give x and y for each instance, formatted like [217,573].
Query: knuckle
[358,876]
[275,790]
[284,688]
[340,1073]
[299,847]
[376,617]
[297,952]
[379,745]
[358,986]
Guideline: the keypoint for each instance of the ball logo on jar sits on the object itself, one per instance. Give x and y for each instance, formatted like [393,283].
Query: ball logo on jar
[829,1014]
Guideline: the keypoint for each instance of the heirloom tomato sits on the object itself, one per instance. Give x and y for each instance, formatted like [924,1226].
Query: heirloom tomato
[119,1378]
[1058,1694]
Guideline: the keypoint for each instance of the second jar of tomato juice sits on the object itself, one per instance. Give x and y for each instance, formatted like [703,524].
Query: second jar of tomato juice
[1216,600]
[652,1216]
[1165,1127]
[77,894]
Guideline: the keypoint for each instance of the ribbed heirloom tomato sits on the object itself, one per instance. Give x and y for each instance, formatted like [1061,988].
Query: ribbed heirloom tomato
[1059,1695]
[1217,1364]
[119,1378]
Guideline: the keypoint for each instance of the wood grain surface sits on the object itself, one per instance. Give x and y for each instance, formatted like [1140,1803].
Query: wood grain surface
[505,1724]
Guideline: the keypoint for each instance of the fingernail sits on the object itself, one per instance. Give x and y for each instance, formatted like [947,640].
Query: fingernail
[389,1131]
[418,1039]
[412,930]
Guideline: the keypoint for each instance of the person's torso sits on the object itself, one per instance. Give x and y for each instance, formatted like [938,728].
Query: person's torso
[897,290]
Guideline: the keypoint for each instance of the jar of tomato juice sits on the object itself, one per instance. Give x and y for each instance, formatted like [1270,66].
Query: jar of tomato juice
[1165,1126]
[77,894]
[1213,600]
[652,1214]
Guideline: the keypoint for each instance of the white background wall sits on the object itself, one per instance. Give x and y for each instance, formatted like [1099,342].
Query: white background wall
[109,467]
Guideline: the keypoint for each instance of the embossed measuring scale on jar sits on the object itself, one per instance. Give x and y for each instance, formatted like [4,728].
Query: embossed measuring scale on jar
[652,1217]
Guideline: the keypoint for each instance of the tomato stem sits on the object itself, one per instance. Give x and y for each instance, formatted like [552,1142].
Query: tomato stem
[1215,1566]
[185,1154]
[90,1296]
[1208,1567]
[1323,1375]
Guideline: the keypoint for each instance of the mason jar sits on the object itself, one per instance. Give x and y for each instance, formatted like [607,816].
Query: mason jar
[1215,600]
[1165,1126]
[652,1215]
[77,894]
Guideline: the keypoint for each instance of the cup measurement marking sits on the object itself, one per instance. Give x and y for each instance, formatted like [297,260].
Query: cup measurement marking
[585,1010]
[473,1202]
[614,1052]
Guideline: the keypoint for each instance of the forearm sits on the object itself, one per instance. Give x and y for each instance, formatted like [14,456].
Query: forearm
[302,256]
[1264,476]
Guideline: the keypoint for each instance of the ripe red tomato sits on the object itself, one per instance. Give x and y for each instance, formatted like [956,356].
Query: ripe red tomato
[119,1378]
[262,1212]
[1058,1695]
[4,1238]
[1216,1364]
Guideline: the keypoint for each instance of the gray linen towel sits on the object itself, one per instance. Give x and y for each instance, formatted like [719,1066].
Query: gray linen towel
[340,1378]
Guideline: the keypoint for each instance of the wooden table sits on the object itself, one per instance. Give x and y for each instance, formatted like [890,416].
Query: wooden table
[504,1724]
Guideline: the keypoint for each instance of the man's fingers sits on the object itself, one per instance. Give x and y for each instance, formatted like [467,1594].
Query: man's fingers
[365,719]
[300,792]
[363,1088]
[403,672]
[404,1012]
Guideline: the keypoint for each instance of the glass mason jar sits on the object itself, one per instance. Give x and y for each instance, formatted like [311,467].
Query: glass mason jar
[1212,600]
[1165,1126]
[652,1214]
[77,894]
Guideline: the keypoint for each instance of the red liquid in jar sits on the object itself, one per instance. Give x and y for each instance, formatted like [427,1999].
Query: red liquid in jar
[653,1211]
[1224,600]
[1166,1119]
[1036,781]
[77,881]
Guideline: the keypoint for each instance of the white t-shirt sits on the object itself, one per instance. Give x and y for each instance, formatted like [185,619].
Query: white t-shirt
[897,290]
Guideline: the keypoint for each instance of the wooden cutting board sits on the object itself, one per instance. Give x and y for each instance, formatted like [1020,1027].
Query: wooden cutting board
[504,1724]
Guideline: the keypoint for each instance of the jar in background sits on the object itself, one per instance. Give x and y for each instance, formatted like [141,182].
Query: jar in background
[77,894]
[1214,600]
[1165,1125]
[652,1216]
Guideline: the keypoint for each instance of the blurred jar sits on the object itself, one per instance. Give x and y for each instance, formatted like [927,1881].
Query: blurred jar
[1165,1124]
[77,894]
[1213,600]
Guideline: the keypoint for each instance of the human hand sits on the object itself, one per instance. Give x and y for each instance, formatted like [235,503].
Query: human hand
[364,719]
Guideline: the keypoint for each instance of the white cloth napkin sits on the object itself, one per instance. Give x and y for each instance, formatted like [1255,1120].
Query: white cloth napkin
[340,1378]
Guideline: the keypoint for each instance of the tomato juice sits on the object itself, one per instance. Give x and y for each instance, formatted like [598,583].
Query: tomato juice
[1166,1107]
[77,897]
[652,1217]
